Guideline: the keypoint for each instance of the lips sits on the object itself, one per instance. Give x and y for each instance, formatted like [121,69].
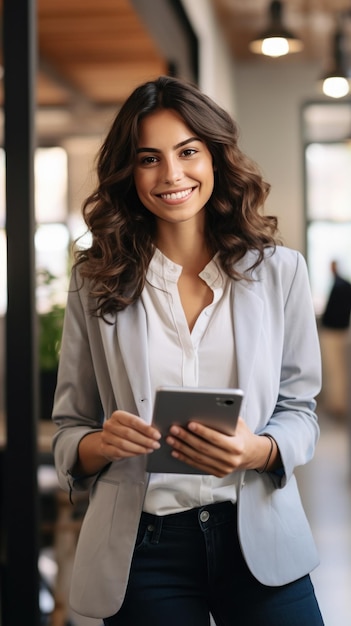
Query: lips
[176,195]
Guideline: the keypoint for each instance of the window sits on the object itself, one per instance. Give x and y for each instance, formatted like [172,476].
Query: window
[327,161]
[52,236]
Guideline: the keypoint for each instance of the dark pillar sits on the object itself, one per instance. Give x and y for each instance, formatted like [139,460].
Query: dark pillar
[20,494]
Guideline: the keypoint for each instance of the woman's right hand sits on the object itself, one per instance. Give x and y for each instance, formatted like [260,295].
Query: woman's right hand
[125,435]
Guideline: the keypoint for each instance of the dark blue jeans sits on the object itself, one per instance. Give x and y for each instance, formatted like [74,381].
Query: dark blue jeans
[188,565]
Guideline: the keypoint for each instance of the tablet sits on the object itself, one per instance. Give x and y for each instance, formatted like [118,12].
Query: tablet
[216,408]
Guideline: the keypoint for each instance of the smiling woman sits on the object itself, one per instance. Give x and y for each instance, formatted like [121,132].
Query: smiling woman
[174,179]
[184,262]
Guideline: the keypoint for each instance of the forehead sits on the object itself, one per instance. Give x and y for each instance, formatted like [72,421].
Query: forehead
[164,126]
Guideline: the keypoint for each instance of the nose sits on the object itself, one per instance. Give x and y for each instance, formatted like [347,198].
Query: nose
[172,171]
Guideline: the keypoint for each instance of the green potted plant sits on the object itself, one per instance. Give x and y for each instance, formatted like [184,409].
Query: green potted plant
[50,323]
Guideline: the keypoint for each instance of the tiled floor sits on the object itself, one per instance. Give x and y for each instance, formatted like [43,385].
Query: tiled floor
[326,492]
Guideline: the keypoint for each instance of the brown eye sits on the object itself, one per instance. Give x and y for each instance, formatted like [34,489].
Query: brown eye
[149,160]
[189,152]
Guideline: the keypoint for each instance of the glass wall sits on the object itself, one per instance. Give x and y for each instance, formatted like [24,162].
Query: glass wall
[52,233]
[327,159]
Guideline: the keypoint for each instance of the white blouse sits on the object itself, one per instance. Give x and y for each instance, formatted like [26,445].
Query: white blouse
[203,358]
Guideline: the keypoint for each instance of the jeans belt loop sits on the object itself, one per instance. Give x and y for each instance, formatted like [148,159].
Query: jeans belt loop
[156,534]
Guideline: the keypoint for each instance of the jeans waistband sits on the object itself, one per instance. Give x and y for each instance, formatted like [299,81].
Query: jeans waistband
[203,516]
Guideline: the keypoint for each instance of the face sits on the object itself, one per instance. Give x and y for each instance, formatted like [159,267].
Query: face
[173,173]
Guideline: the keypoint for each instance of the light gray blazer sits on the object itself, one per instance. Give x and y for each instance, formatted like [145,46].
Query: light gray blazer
[105,366]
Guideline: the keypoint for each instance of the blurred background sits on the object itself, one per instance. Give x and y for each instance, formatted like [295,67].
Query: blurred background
[66,67]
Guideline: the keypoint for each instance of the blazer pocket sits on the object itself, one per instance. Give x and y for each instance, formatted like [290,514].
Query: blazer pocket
[99,518]
[112,515]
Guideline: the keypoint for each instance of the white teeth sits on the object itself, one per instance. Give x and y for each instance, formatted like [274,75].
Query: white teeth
[176,196]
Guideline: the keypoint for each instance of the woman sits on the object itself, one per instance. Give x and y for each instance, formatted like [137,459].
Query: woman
[185,285]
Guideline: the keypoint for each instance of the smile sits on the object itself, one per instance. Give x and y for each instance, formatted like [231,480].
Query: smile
[176,195]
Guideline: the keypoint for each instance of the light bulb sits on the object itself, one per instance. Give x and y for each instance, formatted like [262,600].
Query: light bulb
[336,86]
[275,46]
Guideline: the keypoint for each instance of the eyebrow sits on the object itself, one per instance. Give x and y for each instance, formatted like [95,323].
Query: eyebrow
[178,145]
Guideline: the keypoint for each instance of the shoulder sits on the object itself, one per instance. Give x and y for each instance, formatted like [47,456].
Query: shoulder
[282,272]
[283,256]
[288,268]
[277,261]
[285,261]
[78,297]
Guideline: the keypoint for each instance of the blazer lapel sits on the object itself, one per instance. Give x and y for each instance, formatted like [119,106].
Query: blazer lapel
[124,338]
[248,311]
[132,338]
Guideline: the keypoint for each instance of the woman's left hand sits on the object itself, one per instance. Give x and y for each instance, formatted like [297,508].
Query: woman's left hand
[216,453]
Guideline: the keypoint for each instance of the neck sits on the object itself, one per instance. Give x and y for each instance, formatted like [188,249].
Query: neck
[185,246]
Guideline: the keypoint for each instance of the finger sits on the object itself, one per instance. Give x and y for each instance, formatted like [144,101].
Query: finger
[206,440]
[126,435]
[129,440]
[114,447]
[215,437]
[121,421]
[203,456]
[208,466]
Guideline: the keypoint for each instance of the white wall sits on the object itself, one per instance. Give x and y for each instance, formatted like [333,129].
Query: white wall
[269,98]
[216,67]
[265,97]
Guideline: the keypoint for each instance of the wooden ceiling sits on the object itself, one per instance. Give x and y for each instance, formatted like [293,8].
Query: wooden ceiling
[92,53]
[97,51]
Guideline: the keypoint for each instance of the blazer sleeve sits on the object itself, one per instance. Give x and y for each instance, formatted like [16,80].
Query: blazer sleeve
[77,406]
[294,423]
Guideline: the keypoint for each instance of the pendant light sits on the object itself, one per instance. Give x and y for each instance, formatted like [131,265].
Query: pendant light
[276,41]
[335,82]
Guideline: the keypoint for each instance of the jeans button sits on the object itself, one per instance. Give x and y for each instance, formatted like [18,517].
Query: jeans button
[204,516]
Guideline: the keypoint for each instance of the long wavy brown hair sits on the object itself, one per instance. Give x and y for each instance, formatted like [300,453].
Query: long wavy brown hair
[123,229]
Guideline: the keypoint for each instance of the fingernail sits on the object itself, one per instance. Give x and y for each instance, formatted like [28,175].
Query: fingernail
[174,430]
